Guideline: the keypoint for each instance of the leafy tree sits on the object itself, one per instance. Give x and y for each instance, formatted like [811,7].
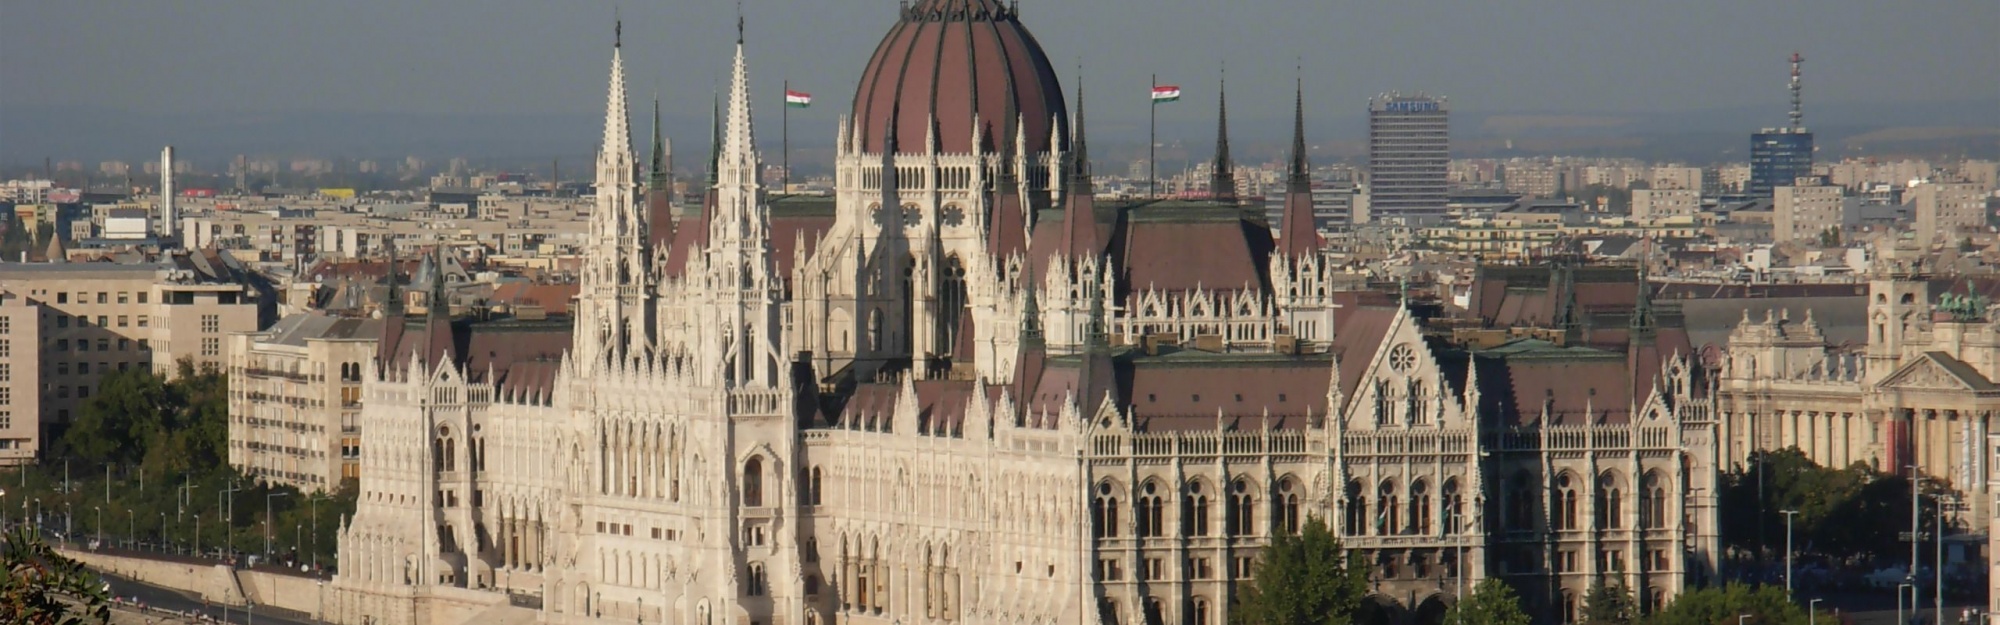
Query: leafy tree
[1610,604]
[1492,602]
[122,420]
[1766,605]
[1844,512]
[1307,578]
[44,588]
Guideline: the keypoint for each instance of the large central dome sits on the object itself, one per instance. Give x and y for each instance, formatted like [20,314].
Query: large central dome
[950,59]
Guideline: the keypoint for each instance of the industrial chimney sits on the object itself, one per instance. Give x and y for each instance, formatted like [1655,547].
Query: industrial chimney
[168,216]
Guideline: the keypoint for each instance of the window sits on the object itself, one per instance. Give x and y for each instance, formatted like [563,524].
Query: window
[103,321]
[1610,512]
[1610,561]
[124,297]
[211,346]
[1242,510]
[1565,562]
[1285,506]
[1108,570]
[1155,572]
[1565,511]
[1454,507]
[1198,568]
[1200,612]
[1420,508]
[1356,521]
[62,298]
[142,319]
[62,345]
[103,297]
[62,367]
[83,368]
[1240,568]
[62,321]
[142,298]
[145,345]
[6,372]
[1194,513]
[812,488]
[753,483]
[1653,506]
[122,320]
[6,348]
[1386,509]
[1104,512]
[211,323]
[103,345]
[124,344]
[1148,512]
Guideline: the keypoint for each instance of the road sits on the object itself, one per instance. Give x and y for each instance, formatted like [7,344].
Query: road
[176,600]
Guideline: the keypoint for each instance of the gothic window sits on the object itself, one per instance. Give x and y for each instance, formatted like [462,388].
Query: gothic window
[1420,508]
[1386,505]
[813,493]
[1148,512]
[1568,607]
[1610,504]
[1357,509]
[1194,516]
[755,585]
[1154,613]
[1199,612]
[753,483]
[1104,512]
[1242,509]
[1565,511]
[951,304]
[1653,506]
[1402,358]
[875,329]
[1285,506]
[1521,502]
[1454,507]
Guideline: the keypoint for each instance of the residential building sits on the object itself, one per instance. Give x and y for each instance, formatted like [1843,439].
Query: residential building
[97,318]
[20,379]
[295,399]
[1947,212]
[1658,203]
[1806,210]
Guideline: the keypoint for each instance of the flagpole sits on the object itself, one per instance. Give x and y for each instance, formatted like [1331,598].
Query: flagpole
[1152,132]
[785,137]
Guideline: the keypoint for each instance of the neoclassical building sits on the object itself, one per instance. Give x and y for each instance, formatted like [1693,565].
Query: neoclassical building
[963,389]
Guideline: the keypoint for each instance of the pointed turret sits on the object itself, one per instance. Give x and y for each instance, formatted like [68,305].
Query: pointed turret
[1079,226]
[660,186]
[437,320]
[1298,234]
[1222,174]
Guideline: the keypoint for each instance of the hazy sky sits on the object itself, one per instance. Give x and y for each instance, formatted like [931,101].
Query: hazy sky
[543,56]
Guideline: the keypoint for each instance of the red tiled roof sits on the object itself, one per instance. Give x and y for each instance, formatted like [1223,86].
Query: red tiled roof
[1179,256]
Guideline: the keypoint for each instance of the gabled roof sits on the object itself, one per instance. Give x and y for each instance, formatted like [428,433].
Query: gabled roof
[1938,371]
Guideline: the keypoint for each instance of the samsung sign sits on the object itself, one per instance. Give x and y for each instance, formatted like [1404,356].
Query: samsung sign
[1410,106]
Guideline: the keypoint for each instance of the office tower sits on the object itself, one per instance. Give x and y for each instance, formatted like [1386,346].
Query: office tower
[1779,156]
[1409,152]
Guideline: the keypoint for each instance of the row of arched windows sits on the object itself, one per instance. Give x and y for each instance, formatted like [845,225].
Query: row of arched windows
[1240,509]
[1520,508]
[1390,514]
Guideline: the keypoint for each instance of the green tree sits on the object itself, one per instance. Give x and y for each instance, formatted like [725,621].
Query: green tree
[1766,605]
[122,420]
[1307,578]
[44,588]
[1492,603]
[1610,604]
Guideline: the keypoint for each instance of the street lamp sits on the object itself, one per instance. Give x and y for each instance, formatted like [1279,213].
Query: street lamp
[100,524]
[197,535]
[1812,614]
[1899,601]
[163,530]
[131,529]
[1789,516]
[267,521]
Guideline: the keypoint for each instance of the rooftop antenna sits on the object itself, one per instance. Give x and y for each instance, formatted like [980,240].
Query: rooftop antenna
[1798,114]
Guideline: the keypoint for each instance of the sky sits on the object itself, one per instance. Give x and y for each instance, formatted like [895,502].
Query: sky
[538,57]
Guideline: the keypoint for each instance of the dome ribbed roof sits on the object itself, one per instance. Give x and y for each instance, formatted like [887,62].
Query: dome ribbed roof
[950,59]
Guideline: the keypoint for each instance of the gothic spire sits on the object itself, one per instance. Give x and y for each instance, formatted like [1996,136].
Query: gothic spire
[392,303]
[1080,176]
[714,137]
[660,163]
[1299,231]
[1222,174]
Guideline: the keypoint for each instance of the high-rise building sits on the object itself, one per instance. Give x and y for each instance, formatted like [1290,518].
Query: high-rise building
[1779,156]
[1409,156]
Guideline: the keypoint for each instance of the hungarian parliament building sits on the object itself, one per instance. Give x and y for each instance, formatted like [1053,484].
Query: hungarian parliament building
[965,389]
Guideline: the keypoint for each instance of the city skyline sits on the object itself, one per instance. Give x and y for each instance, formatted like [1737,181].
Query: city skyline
[145,78]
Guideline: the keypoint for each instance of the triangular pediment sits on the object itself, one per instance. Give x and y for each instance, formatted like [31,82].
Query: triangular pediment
[1936,371]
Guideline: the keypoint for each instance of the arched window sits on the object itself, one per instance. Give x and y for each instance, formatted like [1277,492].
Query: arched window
[1454,507]
[1104,512]
[812,488]
[753,483]
[1569,607]
[1610,512]
[1148,512]
[951,304]
[1521,506]
[1242,509]
[1285,506]
[875,329]
[1198,613]
[1420,508]
[1155,615]
[1565,502]
[1653,507]
[1386,505]
[1194,512]
[1357,510]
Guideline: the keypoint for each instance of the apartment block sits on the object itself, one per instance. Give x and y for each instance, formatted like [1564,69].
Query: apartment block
[20,434]
[295,399]
[1806,209]
[96,318]
[1662,203]
[1947,210]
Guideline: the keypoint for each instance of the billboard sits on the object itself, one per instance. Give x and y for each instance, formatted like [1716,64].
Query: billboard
[338,194]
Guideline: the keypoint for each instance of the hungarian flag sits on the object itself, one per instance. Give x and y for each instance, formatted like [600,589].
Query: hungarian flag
[798,99]
[1166,93]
